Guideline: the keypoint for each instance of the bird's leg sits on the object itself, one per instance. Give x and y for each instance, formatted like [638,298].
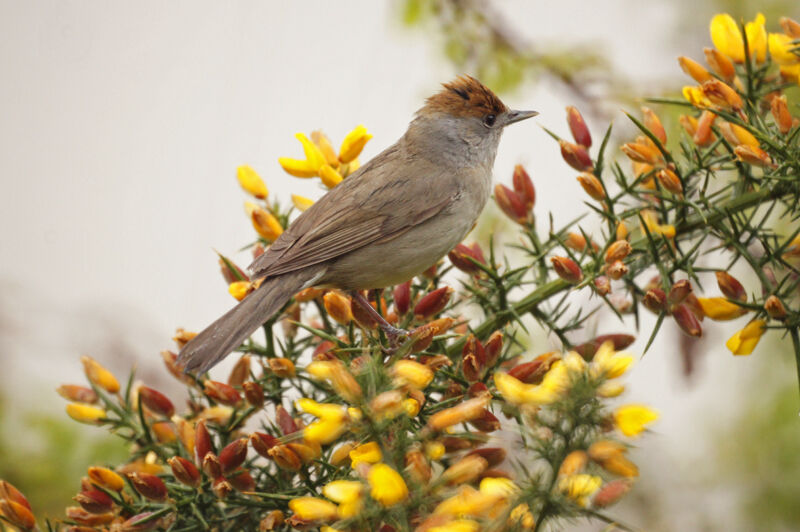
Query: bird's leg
[394,334]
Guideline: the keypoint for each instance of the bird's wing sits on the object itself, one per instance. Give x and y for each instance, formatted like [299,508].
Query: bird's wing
[368,206]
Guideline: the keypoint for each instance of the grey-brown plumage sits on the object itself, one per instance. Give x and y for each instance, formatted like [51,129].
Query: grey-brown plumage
[387,222]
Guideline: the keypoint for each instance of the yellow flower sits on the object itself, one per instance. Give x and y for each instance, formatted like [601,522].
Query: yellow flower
[744,341]
[347,493]
[332,421]
[695,96]
[555,382]
[780,48]
[791,72]
[727,37]
[314,156]
[297,167]
[386,485]
[353,143]
[329,176]
[98,375]
[502,487]
[84,413]
[335,372]
[609,363]
[720,309]
[610,389]
[313,509]
[266,224]
[632,419]
[459,525]
[301,203]
[434,450]
[410,373]
[411,407]
[106,478]
[368,453]
[574,363]
[239,289]
[651,222]
[323,142]
[579,487]
[251,182]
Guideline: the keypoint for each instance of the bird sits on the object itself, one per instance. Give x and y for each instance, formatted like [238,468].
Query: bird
[387,222]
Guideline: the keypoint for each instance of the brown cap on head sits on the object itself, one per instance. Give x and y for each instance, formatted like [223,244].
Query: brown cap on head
[465,96]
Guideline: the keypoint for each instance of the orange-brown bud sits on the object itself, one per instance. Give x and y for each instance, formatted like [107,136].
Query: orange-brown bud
[689,124]
[308,294]
[170,361]
[573,463]
[272,521]
[578,128]
[493,455]
[643,153]
[592,186]
[240,371]
[263,442]
[670,181]
[17,514]
[616,270]
[790,27]
[402,297]
[653,123]
[512,204]
[486,422]
[461,413]
[493,347]
[282,367]
[156,401]
[253,393]
[211,465]
[265,224]
[618,251]
[576,156]
[655,300]
[603,450]
[610,493]
[106,478]
[775,308]
[337,306]
[94,501]
[221,487]
[462,257]
[694,69]
[182,337]
[184,471]
[99,375]
[567,269]
[602,285]
[465,470]
[432,303]
[142,522]
[149,486]
[720,64]
[704,135]
[687,321]
[575,242]
[242,480]
[417,466]
[730,286]
[80,394]
[619,465]
[203,444]
[233,455]
[473,359]
[780,112]
[523,186]
[751,155]
[285,457]
[679,291]
[285,421]
[722,95]
[222,393]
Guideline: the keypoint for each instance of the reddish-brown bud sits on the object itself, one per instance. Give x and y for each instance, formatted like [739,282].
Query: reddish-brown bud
[76,393]
[462,257]
[156,401]
[523,185]
[576,156]
[202,441]
[602,285]
[432,303]
[532,372]
[233,455]
[620,341]
[512,204]
[493,455]
[272,521]
[211,465]
[402,297]
[231,272]
[149,486]
[221,487]
[575,242]
[617,270]
[240,371]
[242,480]
[473,358]
[323,349]
[253,393]
[655,300]
[222,393]
[486,422]
[363,318]
[592,186]
[567,269]
[611,492]
[730,286]
[492,348]
[262,443]
[184,471]
[687,321]
[8,491]
[775,308]
[285,421]
[679,291]
[77,514]
[170,361]
[417,466]
[578,128]
[94,501]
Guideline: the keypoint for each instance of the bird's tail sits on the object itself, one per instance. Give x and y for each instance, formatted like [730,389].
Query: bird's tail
[217,340]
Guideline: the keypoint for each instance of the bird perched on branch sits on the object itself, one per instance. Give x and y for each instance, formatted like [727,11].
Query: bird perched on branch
[387,222]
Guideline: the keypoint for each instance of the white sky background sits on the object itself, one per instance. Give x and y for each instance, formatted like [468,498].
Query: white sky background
[122,125]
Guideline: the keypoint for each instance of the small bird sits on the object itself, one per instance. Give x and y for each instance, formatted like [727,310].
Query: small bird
[389,221]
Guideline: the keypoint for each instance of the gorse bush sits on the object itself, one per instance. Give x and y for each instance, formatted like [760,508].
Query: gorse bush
[324,426]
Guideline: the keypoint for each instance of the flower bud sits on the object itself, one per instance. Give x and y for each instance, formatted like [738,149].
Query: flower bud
[592,186]
[353,143]
[573,463]
[432,303]
[233,455]
[285,421]
[156,402]
[610,493]
[532,372]
[493,347]
[462,256]
[750,155]
[730,286]
[775,308]
[720,64]
[576,156]
[221,487]
[142,522]
[737,135]
[98,375]
[655,300]
[221,392]
[722,95]
[273,520]
[575,242]
[203,443]
[689,124]
[230,271]
[720,309]
[670,181]
[494,456]
[617,269]
[282,367]
[618,251]
[94,501]
[619,342]
[253,394]
[687,321]
[567,269]
[263,442]
[17,514]
[83,413]
[465,470]
[417,466]
[402,297]
[473,358]
[643,153]
[745,340]
[578,127]
[704,135]
[211,465]
[653,123]
[523,186]
[76,393]
[251,182]
[486,422]
[242,480]
[266,224]
[79,515]
[694,69]
[184,471]
[337,306]
[790,27]
[679,291]
[149,486]
[511,204]
[780,112]
[240,371]
[106,478]
[461,413]
[329,177]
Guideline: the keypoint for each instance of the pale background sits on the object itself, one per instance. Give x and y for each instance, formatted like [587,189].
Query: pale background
[122,125]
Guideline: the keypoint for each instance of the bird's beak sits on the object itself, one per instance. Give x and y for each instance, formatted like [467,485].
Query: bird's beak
[516,116]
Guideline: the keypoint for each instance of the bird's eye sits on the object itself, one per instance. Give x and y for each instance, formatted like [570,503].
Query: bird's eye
[488,120]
